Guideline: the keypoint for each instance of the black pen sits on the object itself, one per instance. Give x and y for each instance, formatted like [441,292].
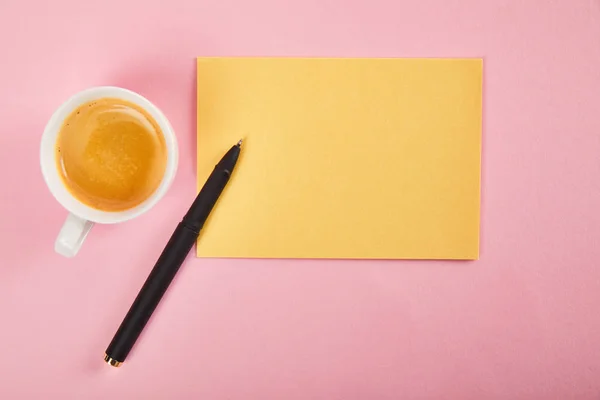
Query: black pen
[170,260]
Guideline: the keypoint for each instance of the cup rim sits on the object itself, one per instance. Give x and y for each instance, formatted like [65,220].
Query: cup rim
[48,161]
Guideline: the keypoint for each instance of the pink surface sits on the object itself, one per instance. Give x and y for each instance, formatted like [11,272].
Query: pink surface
[521,323]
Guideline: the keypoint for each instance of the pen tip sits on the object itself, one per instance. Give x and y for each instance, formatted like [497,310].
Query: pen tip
[240,142]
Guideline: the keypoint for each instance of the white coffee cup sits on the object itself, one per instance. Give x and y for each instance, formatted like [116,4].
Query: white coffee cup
[82,217]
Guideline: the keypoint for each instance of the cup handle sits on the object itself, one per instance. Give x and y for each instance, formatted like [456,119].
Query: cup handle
[71,235]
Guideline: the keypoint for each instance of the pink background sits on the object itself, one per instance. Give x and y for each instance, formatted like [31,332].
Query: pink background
[521,323]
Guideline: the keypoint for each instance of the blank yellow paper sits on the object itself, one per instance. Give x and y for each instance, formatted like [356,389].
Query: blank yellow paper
[342,158]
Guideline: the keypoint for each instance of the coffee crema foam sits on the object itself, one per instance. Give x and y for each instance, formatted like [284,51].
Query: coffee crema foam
[111,154]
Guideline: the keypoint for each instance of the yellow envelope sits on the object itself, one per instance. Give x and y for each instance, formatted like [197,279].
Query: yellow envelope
[342,158]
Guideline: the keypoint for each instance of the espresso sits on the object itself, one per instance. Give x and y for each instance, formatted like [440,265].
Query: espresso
[111,154]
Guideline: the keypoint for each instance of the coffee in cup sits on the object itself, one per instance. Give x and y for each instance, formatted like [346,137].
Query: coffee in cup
[111,154]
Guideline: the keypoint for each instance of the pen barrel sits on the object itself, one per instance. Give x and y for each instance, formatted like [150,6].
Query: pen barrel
[154,288]
[206,199]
